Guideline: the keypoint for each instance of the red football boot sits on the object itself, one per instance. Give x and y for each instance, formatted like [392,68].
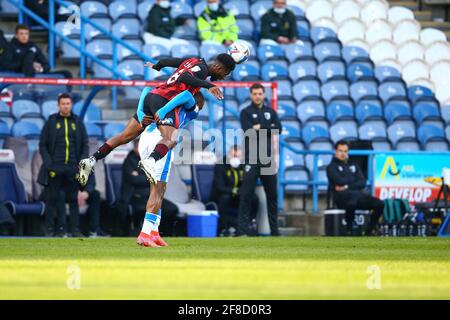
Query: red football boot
[156,238]
[146,240]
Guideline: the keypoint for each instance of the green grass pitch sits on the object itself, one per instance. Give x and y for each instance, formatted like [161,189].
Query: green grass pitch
[226,268]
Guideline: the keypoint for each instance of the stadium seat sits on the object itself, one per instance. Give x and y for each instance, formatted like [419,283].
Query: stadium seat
[187,31]
[426,110]
[100,48]
[91,32]
[5,110]
[306,89]
[345,10]
[447,132]
[298,175]
[445,111]
[26,128]
[298,51]
[335,89]
[391,90]
[428,133]
[303,29]
[93,130]
[327,51]
[291,158]
[94,9]
[397,110]
[401,131]
[245,72]
[246,28]
[431,35]
[378,30]
[8,8]
[409,51]
[311,110]
[397,14]
[418,93]
[305,69]
[437,51]
[351,29]
[268,52]
[374,130]
[101,72]
[25,109]
[373,10]
[126,28]
[406,30]
[273,71]
[209,50]
[202,183]
[69,53]
[133,69]
[383,50]
[313,133]
[284,89]
[4,132]
[155,50]
[368,110]
[290,130]
[125,53]
[184,51]
[49,107]
[258,8]
[331,70]
[386,73]
[181,10]
[346,130]
[319,9]
[416,69]
[144,8]
[323,34]
[112,129]
[286,110]
[339,110]
[359,71]
[93,113]
[354,54]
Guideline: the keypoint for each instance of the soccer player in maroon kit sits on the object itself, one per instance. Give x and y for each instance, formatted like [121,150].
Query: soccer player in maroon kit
[190,75]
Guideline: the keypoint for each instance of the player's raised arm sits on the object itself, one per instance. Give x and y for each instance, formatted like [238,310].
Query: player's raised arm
[195,78]
[165,62]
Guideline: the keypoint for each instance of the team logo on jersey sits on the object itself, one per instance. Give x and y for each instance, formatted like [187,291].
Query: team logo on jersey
[353,169]
[254,116]
[58,125]
[340,168]
[267,115]
[168,121]
[247,168]
[195,69]
[74,127]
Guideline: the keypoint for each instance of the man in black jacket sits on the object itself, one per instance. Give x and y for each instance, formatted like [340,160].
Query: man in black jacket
[63,143]
[278,25]
[228,177]
[348,183]
[5,53]
[260,124]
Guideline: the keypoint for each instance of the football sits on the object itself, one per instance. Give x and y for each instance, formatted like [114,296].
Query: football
[239,51]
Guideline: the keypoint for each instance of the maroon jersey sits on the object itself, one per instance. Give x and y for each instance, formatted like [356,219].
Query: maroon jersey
[172,87]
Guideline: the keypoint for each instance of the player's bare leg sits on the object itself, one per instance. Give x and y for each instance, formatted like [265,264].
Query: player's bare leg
[168,141]
[149,236]
[131,132]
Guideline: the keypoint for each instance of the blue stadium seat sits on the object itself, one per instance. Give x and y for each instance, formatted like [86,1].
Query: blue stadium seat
[426,110]
[245,72]
[340,110]
[331,70]
[292,159]
[184,51]
[359,71]
[187,31]
[126,28]
[93,113]
[323,160]
[402,131]
[307,89]
[67,30]
[91,32]
[5,110]
[144,8]
[385,73]
[420,93]
[100,72]
[284,89]
[8,8]
[298,51]
[25,108]
[268,52]
[311,110]
[93,130]
[335,89]
[49,107]
[327,50]
[344,130]
[319,34]
[273,71]
[155,50]
[202,182]
[94,9]
[125,53]
[427,133]
[303,29]
[258,8]
[298,12]
[9,120]
[246,28]
[374,130]
[409,146]
[181,10]
[365,89]
[397,110]
[303,69]
[389,90]
[313,133]
[354,54]
[112,129]
[26,128]
[133,69]
[4,132]
[368,110]
[286,109]
[100,48]
[447,132]
[210,50]
[240,9]
[445,111]
[299,175]
[290,130]
[69,53]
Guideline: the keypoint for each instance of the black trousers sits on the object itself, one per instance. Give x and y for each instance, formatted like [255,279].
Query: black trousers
[94,211]
[226,202]
[247,190]
[352,200]
[62,187]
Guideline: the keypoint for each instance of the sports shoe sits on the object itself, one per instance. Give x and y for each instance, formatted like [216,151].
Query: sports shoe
[156,238]
[145,240]
[147,165]
[85,166]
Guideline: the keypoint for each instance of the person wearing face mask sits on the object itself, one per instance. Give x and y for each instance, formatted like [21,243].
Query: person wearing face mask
[226,191]
[217,25]
[278,25]
[161,25]
[347,183]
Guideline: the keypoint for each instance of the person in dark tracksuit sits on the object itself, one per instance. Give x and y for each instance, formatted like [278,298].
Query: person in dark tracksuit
[259,123]
[63,143]
[348,183]
[227,182]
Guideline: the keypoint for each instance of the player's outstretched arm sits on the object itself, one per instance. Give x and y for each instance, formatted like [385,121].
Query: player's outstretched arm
[192,80]
[165,62]
[184,99]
